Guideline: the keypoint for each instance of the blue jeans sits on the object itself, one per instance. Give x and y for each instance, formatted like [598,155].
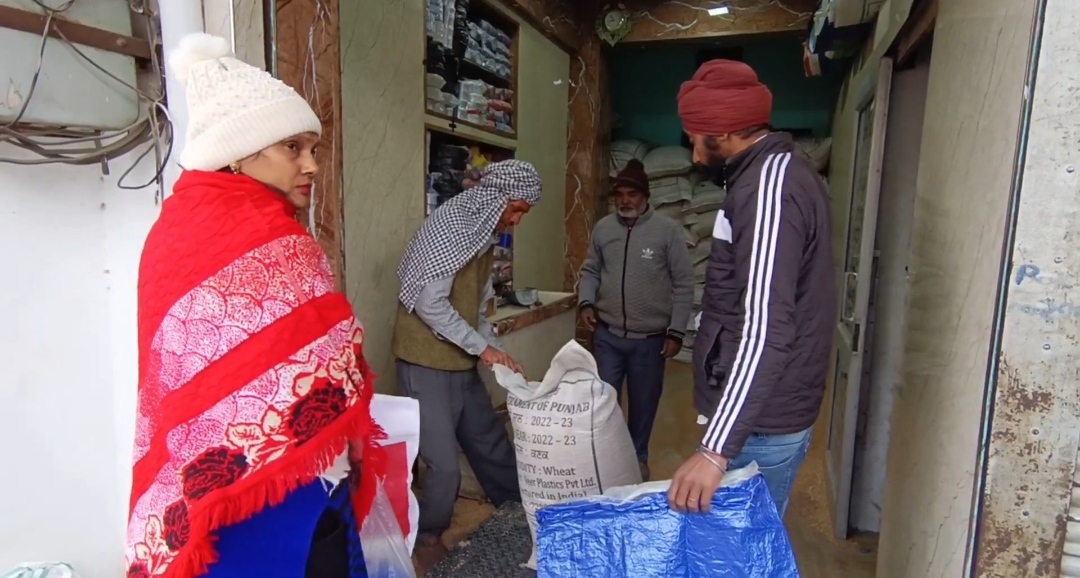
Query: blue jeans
[778,458]
[641,363]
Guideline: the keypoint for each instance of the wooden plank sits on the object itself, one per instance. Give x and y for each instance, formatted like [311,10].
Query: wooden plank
[440,123]
[917,30]
[690,19]
[457,122]
[307,32]
[555,19]
[34,23]
[588,134]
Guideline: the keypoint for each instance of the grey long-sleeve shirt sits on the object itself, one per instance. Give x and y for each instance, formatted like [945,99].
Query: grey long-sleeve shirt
[434,309]
[639,277]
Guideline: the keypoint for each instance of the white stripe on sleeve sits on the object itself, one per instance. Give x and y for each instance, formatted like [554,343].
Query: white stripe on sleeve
[752,344]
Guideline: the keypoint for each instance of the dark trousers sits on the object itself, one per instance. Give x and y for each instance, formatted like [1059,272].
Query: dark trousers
[641,363]
[455,408]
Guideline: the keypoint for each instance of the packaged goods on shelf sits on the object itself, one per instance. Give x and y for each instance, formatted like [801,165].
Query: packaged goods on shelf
[473,108]
[442,103]
[461,26]
[434,81]
[489,48]
[440,17]
[493,30]
[480,103]
[447,167]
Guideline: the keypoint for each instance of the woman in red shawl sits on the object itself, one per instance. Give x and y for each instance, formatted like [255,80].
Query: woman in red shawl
[252,380]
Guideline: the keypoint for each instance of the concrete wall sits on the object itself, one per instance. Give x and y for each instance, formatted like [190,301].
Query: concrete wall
[68,339]
[382,84]
[69,355]
[973,107]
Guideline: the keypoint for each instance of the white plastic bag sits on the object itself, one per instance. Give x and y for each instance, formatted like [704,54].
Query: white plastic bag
[42,570]
[399,417]
[628,493]
[569,434]
[386,551]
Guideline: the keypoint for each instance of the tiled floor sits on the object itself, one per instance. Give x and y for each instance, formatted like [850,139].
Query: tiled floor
[676,434]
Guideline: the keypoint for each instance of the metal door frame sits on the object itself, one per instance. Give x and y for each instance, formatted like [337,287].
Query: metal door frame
[839,482]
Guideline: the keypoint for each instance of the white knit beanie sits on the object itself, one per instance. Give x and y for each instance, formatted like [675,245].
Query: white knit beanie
[234,109]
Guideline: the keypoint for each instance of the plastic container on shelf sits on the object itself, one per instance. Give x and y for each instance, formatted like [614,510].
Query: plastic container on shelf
[472,108]
[437,106]
[434,80]
[469,87]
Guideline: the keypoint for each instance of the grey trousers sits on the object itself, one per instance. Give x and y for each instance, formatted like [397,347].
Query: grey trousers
[455,408]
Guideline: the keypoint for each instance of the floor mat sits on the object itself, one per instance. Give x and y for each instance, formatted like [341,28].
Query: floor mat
[497,549]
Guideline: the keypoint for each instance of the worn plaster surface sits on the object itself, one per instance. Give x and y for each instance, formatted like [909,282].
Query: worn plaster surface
[1034,419]
[973,108]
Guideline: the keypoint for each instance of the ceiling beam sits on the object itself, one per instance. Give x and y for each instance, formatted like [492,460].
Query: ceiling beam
[691,20]
[555,19]
[917,29]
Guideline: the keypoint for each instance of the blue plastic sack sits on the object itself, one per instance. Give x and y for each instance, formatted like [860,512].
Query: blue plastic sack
[741,537]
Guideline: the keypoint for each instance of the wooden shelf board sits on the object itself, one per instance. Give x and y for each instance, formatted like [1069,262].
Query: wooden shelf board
[467,130]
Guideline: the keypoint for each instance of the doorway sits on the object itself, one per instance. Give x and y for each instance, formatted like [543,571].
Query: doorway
[835,510]
[886,320]
[645,79]
[869,344]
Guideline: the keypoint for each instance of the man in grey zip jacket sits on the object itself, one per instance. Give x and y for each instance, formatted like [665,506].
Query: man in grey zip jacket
[637,292]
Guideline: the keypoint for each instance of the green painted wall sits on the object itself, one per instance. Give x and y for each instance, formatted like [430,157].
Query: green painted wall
[645,81]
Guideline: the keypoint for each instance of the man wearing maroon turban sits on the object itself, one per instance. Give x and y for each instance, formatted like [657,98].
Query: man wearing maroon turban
[762,349]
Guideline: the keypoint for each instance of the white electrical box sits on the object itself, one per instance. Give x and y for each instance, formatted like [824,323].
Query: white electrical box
[70,91]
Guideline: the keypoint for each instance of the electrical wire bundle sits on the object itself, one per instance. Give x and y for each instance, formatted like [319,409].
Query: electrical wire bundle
[82,146]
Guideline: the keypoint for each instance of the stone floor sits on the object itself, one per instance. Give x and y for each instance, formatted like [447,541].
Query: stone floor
[676,434]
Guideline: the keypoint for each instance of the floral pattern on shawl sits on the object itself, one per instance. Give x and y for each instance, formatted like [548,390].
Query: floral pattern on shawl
[252,428]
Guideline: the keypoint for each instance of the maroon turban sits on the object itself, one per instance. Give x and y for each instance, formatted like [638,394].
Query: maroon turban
[723,97]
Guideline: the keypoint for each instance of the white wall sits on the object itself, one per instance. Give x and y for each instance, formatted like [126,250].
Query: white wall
[68,360]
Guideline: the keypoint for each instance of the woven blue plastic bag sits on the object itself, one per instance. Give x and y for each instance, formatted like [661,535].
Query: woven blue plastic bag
[633,532]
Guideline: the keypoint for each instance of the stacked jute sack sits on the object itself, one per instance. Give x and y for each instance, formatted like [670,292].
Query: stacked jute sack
[688,196]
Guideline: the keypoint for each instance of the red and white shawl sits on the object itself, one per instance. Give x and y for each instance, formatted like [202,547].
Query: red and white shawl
[252,378]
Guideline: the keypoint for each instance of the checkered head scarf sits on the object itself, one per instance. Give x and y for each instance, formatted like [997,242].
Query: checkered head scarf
[458,229]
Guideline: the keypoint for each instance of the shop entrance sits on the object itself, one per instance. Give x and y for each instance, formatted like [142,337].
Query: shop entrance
[835,505]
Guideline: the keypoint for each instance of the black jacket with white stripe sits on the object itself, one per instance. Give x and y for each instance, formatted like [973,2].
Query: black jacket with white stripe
[762,350]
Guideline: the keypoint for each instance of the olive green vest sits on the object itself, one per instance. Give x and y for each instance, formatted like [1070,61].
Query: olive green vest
[416,343]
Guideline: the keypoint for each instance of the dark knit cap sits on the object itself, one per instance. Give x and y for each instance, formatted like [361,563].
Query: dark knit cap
[633,177]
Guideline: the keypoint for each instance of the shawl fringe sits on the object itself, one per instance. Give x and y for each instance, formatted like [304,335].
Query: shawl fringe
[270,487]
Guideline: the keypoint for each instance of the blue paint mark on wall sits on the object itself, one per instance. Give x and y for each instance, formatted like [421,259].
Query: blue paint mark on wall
[1049,309]
[1027,271]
